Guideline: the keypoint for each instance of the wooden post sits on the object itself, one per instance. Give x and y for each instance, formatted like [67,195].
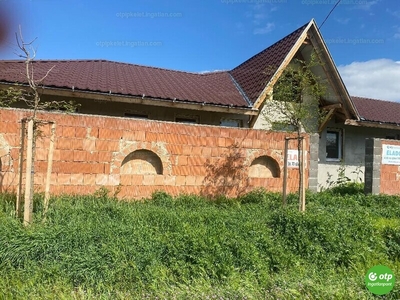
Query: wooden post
[28,207]
[18,205]
[285,160]
[302,204]
[49,168]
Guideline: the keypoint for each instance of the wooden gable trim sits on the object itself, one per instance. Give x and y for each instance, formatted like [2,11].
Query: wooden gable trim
[268,89]
[349,108]
[260,100]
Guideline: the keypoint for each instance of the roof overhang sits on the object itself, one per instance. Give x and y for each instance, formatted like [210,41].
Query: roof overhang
[372,124]
[144,100]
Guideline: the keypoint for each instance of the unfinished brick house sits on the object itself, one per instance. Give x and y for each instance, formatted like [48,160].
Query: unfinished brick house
[137,96]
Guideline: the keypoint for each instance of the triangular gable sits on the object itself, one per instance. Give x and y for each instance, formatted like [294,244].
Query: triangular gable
[254,73]
[258,75]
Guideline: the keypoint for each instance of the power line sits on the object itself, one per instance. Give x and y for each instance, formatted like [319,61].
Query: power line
[337,3]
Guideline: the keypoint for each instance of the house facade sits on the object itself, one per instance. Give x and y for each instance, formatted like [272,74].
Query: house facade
[234,98]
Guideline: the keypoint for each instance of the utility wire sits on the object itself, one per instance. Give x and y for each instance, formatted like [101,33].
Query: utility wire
[337,3]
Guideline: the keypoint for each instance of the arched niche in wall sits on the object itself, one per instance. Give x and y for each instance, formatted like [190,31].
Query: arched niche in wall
[141,162]
[264,167]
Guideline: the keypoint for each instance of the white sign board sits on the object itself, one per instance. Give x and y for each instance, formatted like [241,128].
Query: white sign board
[293,159]
[390,155]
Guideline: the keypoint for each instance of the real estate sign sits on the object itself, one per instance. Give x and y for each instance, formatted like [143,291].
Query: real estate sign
[390,155]
[293,159]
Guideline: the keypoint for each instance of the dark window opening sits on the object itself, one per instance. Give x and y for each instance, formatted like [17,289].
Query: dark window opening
[136,116]
[333,145]
[186,120]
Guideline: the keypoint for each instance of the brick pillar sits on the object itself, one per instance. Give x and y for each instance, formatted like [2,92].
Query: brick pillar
[373,159]
[313,166]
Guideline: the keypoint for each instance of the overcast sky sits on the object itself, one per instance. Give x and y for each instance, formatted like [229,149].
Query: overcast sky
[363,36]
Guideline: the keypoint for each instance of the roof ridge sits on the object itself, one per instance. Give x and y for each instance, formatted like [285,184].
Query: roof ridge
[374,99]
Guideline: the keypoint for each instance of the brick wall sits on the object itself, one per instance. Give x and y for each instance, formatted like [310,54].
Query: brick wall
[138,157]
[380,177]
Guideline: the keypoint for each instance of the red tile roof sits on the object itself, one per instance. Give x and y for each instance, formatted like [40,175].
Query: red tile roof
[239,87]
[254,74]
[130,80]
[374,110]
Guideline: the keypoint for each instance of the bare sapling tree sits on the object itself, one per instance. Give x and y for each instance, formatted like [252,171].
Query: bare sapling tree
[294,106]
[30,94]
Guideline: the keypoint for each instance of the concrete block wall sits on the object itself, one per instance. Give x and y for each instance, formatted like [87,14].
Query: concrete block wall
[138,157]
[380,178]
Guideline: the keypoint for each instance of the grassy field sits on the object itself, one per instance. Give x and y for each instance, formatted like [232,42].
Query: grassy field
[188,247]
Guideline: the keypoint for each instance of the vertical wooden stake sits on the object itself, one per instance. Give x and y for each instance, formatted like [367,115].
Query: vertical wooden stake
[285,160]
[28,207]
[303,186]
[49,168]
[18,206]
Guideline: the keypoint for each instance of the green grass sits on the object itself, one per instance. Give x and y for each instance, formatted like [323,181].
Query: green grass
[188,247]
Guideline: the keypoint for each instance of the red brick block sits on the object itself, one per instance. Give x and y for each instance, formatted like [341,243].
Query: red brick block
[57,190]
[63,179]
[56,155]
[215,152]
[80,132]
[196,151]
[190,180]
[182,160]
[77,144]
[180,180]
[92,132]
[148,179]
[169,180]
[77,179]
[89,145]
[92,156]
[41,154]
[151,136]
[102,145]
[200,180]
[187,150]
[114,179]
[110,134]
[101,179]
[247,143]
[175,149]
[159,180]
[196,161]
[68,131]
[66,155]
[225,132]
[105,156]
[89,179]
[11,127]
[107,168]
[206,152]
[126,179]
[13,140]
[64,143]
[96,168]
[71,190]
[79,155]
